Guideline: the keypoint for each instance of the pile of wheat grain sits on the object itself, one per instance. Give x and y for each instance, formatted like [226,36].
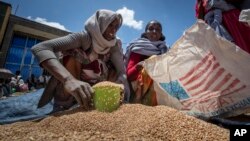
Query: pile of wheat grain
[129,122]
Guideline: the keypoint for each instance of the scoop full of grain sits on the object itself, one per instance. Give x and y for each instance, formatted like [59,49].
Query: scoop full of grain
[107,96]
[129,122]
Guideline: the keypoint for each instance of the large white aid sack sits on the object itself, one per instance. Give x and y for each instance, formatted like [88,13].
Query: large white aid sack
[202,74]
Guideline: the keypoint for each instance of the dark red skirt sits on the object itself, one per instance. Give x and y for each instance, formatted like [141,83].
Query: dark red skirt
[238,30]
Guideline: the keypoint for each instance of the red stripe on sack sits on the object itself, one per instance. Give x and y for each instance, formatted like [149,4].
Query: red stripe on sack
[220,94]
[214,94]
[215,66]
[208,95]
[236,90]
[200,73]
[194,100]
[223,82]
[210,82]
[196,67]
[232,85]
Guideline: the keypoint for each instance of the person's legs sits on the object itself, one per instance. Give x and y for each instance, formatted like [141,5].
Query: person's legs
[64,100]
[74,67]
[144,90]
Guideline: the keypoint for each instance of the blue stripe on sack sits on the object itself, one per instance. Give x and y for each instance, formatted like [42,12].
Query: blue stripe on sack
[175,89]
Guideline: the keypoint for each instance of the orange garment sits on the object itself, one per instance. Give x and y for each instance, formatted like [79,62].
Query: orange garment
[144,89]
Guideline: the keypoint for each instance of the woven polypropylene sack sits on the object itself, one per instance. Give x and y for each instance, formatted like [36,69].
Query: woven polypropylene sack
[202,74]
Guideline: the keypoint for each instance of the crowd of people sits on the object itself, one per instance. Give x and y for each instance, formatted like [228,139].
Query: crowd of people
[13,84]
[17,84]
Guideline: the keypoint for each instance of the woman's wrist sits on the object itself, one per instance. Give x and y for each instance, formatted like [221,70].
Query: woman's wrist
[68,78]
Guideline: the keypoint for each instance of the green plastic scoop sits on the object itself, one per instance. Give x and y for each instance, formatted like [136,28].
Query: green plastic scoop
[108,96]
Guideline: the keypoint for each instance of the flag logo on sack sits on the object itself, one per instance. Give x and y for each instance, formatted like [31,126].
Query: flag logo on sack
[205,81]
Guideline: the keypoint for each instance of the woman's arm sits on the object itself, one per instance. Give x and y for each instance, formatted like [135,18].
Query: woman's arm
[45,53]
[47,49]
[118,62]
[132,71]
[117,58]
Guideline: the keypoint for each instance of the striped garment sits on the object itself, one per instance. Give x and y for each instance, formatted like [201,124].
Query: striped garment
[145,47]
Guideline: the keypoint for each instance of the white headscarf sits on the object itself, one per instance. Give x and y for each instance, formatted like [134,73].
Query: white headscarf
[96,26]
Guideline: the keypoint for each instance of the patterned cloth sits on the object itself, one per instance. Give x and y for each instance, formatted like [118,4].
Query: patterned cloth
[144,90]
[145,47]
[214,19]
[96,25]
[94,67]
[142,86]
[91,38]
[239,32]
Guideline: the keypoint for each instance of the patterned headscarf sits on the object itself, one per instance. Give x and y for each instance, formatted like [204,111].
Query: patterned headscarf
[96,26]
[145,47]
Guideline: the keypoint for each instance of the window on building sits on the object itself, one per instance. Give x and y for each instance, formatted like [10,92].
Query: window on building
[20,57]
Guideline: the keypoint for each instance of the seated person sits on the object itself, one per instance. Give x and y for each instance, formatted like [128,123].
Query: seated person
[85,58]
[151,43]
[224,18]
[32,82]
[43,79]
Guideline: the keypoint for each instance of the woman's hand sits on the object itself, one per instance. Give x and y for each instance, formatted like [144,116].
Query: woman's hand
[82,91]
[122,79]
[139,66]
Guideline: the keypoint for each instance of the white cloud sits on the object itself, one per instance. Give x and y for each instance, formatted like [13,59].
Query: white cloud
[52,24]
[128,18]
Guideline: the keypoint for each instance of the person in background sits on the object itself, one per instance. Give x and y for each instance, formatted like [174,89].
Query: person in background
[43,79]
[15,81]
[23,87]
[151,42]
[84,61]
[221,13]
[18,76]
[32,82]
[3,89]
[7,86]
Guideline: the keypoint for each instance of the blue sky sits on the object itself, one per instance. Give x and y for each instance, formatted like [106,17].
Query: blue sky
[175,15]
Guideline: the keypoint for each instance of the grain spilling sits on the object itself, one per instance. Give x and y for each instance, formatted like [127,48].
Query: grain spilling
[129,122]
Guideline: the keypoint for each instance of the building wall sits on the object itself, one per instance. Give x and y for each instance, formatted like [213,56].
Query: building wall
[16,27]
[5,10]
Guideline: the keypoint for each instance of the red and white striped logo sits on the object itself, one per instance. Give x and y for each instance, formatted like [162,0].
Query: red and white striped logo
[207,80]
